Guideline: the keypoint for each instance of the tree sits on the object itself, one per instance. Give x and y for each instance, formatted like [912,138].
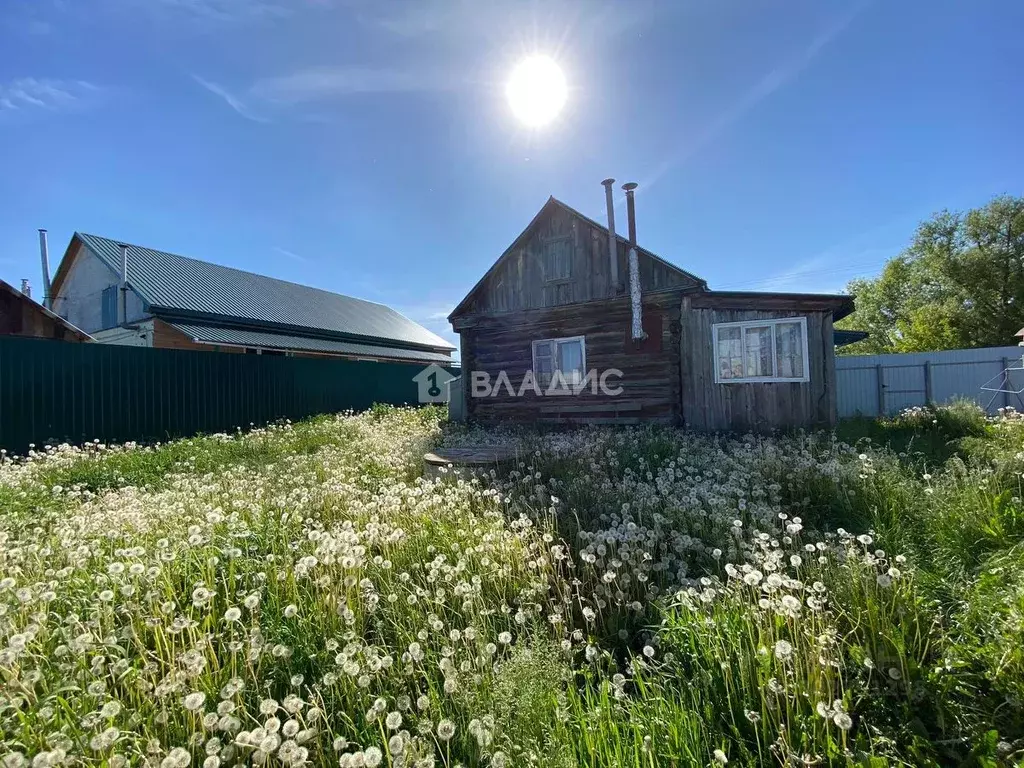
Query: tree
[960,284]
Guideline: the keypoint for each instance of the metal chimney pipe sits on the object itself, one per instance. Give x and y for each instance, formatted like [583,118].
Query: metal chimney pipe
[635,296]
[44,255]
[631,211]
[613,242]
[123,309]
[26,289]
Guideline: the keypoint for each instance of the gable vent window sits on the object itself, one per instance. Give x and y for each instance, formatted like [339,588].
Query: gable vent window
[558,259]
[568,356]
[108,307]
[761,351]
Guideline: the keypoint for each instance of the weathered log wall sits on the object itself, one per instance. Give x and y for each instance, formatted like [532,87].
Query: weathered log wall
[711,406]
[650,380]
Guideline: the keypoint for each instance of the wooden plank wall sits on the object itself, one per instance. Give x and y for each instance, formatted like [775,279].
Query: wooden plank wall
[651,378]
[520,282]
[709,406]
[20,316]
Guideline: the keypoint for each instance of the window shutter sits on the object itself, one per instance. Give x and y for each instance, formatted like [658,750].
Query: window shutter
[109,307]
[558,259]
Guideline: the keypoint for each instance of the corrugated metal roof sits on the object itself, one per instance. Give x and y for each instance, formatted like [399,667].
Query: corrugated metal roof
[178,283]
[245,338]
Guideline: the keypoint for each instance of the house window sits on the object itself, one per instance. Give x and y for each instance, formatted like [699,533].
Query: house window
[558,259]
[568,356]
[761,351]
[108,307]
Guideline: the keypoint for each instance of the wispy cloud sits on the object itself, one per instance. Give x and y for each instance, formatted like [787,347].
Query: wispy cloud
[827,272]
[323,84]
[456,24]
[481,19]
[30,93]
[319,83]
[218,10]
[291,255]
[861,255]
[777,78]
[230,99]
[428,17]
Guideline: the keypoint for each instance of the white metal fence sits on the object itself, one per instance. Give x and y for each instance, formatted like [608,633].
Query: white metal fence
[874,385]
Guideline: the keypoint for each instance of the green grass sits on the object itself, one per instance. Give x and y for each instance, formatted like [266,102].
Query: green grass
[926,436]
[645,597]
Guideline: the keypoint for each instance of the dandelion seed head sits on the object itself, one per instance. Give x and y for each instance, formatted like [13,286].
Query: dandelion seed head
[445,730]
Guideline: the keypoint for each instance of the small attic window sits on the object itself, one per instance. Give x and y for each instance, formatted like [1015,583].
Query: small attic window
[558,259]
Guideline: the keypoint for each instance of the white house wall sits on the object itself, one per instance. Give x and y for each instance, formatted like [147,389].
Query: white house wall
[80,299]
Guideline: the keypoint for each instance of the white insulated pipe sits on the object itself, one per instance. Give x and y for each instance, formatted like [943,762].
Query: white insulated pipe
[44,255]
[635,295]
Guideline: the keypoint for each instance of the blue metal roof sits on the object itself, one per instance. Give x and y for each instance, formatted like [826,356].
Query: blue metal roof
[241,337]
[189,288]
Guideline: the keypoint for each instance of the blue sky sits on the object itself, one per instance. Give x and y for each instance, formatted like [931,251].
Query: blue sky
[365,146]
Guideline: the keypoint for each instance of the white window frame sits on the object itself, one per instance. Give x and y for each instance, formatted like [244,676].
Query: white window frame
[554,356]
[743,325]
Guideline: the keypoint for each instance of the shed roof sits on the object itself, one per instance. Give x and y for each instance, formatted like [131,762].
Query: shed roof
[843,337]
[242,337]
[839,304]
[184,287]
[74,330]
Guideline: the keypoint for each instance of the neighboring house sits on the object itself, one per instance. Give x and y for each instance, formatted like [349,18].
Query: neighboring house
[126,294]
[711,360]
[21,316]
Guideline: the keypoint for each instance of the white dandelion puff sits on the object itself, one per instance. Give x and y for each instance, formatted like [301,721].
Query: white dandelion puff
[783,650]
[445,730]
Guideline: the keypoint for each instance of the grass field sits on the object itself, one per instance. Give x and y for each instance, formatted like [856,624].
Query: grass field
[298,594]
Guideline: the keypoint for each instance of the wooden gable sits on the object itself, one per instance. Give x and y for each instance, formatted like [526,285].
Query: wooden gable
[562,258]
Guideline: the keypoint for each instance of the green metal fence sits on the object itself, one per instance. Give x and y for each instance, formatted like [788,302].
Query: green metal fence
[52,391]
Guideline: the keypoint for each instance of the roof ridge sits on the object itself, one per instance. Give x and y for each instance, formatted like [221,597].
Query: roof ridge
[234,269]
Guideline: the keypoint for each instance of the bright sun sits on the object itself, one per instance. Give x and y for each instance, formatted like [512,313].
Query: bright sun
[536,91]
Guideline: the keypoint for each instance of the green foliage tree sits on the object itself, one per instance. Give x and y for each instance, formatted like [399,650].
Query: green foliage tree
[960,284]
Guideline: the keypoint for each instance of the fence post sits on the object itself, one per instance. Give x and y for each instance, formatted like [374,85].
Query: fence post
[880,382]
[927,382]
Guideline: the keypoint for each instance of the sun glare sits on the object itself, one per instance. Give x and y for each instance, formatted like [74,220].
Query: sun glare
[536,91]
